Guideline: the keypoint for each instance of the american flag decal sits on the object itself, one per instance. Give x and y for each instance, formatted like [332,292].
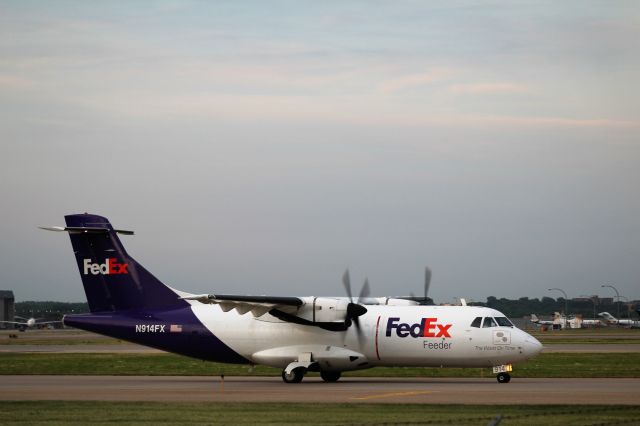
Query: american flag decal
[175,328]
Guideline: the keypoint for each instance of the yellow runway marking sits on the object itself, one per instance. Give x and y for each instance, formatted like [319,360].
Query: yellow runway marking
[392,394]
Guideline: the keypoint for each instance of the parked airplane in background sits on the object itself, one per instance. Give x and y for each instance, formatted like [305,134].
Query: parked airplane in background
[561,321]
[536,320]
[623,322]
[297,334]
[29,323]
[592,322]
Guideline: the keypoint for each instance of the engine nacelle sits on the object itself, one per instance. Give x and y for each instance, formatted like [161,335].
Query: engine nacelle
[390,301]
[324,309]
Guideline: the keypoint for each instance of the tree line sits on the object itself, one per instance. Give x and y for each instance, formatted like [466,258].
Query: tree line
[547,306]
[49,311]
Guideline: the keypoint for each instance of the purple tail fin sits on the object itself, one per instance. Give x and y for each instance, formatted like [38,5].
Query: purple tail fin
[113,280]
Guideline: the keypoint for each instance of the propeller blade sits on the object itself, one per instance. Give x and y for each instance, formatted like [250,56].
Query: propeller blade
[346,281]
[427,281]
[359,332]
[364,292]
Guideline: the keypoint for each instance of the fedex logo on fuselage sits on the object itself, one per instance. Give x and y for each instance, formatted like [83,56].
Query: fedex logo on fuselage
[111,266]
[428,327]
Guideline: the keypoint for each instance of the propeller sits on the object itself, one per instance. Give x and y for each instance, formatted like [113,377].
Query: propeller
[355,310]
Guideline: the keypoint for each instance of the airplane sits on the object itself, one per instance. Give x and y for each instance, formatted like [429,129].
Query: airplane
[623,322]
[592,323]
[562,321]
[558,320]
[538,321]
[329,335]
[29,322]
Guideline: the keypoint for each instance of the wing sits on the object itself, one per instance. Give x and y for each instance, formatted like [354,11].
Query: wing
[13,322]
[257,305]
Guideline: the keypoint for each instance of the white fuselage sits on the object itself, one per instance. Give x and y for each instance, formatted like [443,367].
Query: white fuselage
[430,336]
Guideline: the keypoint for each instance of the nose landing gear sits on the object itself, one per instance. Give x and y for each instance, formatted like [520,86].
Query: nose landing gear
[294,376]
[503,372]
[503,378]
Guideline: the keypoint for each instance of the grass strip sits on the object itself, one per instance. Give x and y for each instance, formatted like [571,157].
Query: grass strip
[582,341]
[126,413]
[71,342]
[545,365]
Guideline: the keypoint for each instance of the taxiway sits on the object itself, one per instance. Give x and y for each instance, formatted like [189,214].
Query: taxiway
[347,390]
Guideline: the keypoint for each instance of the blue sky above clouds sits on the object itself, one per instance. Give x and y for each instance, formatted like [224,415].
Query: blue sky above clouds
[263,147]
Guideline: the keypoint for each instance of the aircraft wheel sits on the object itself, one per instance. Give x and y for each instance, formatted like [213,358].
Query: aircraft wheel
[503,378]
[330,376]
[295,376]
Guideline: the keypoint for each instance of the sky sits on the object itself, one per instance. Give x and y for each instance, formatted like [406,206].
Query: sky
[264,147]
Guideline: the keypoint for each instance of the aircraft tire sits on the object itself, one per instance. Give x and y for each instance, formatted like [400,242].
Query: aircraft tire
[503,378]
[330,376]
[295,376]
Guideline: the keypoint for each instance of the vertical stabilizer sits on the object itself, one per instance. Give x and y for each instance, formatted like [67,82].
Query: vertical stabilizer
[113,280]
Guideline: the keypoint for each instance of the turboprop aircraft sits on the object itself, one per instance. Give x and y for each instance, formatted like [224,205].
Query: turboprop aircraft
[297,334]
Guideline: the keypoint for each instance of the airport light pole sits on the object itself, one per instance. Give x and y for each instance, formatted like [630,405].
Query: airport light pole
[566,313]
[617,296]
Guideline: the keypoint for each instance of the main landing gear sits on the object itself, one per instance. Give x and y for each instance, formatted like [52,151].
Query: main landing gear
[330,376]
[294,376]
[297,374]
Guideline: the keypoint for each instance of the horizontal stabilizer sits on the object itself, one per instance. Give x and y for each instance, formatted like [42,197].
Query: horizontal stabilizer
[84,230]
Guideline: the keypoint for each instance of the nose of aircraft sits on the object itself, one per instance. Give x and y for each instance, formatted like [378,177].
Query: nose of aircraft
[532,346]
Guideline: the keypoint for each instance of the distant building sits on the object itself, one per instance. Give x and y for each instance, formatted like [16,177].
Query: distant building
[7,308]
[597,300]
[585,299]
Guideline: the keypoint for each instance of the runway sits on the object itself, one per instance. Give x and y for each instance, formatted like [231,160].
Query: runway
[347,390]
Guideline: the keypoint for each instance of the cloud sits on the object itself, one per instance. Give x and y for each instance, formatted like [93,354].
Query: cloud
[489,88]
[412,80]
[350,109]
[561,122]
[12,82]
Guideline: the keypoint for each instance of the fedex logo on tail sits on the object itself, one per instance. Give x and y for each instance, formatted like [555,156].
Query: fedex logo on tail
[111,266]
[428,327]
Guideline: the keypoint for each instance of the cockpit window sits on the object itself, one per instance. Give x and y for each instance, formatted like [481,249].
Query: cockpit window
[476,322]
[489,322]
[504,322]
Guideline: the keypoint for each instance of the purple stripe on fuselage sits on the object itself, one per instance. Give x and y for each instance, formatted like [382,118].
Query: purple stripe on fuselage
[178,331]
